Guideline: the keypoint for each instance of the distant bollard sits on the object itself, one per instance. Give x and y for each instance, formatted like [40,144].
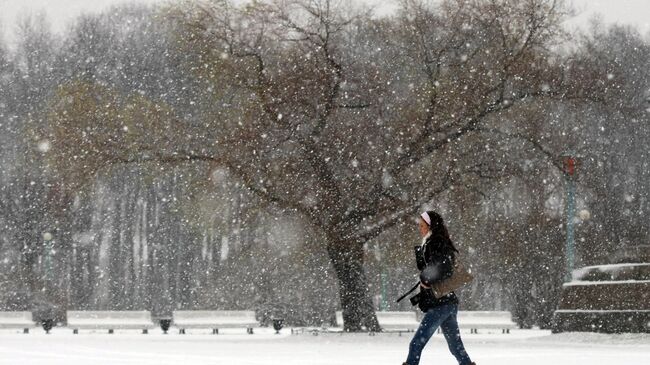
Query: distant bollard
[164,324]
[47,324]
[278,323]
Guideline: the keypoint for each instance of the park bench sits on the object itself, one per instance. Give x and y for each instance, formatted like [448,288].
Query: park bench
[407,321]
[403,321]
[486,320]
[110,320]
[215,320]
[17,320]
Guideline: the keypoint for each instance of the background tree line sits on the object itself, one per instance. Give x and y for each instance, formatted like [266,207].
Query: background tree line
[272,155]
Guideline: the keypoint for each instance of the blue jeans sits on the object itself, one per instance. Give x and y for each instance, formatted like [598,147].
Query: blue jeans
[443,316]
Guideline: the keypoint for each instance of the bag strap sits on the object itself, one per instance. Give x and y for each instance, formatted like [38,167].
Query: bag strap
[408,292]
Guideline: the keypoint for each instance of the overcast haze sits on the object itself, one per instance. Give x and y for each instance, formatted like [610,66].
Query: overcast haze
[277,162]
[635,12]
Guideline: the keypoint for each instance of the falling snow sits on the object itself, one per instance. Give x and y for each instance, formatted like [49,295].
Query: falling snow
[273,157]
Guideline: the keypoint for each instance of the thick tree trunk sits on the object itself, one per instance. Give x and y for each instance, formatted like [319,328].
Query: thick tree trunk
[358,311]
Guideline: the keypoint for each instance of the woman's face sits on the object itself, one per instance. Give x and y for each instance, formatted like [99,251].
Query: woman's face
[424,227]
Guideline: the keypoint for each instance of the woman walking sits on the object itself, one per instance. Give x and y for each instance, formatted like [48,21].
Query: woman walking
[438,254]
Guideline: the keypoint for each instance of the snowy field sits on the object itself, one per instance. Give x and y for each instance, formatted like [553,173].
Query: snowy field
[528,347]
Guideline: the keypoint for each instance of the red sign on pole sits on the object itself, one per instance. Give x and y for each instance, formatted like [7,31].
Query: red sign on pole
[569,165]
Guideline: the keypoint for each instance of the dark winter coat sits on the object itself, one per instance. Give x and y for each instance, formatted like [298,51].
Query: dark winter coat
[435,262]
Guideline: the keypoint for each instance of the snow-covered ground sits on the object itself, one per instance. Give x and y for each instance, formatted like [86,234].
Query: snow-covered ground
[528,347]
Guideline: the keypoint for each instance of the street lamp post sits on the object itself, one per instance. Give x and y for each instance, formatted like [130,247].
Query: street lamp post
[47,315]
[49,252]
[384,302]
[569,165]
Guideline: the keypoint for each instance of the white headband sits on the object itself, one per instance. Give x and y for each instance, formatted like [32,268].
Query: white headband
[426,218]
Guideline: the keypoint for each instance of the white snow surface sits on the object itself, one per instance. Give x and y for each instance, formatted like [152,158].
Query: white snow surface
[577,274]
[610,282]
[234,346]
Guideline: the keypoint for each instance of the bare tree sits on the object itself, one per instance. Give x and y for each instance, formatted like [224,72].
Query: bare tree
[357,142]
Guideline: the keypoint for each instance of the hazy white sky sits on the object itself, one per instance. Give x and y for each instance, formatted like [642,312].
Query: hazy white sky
[636,12]
[60,12]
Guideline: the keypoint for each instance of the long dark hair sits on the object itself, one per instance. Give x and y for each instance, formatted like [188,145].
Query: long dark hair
[439,234]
